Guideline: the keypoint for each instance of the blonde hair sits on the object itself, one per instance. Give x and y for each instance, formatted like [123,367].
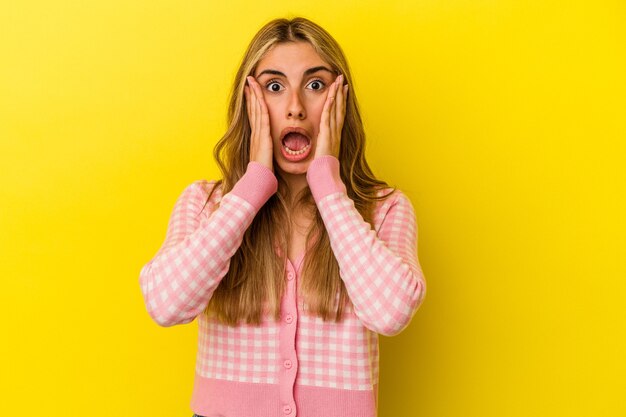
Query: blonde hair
[255,279]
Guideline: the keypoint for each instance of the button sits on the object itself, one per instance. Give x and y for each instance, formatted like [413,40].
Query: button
[290,276]
[287,409]
[289,318]
[287,364]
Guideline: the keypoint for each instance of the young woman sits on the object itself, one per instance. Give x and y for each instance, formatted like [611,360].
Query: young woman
[298,258]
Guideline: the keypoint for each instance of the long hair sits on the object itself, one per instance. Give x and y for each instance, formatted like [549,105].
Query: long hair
[255,281]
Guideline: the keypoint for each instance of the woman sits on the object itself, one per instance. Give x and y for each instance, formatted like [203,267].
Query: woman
[298,257]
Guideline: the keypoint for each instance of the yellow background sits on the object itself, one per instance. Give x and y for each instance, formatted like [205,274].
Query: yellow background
[504,122]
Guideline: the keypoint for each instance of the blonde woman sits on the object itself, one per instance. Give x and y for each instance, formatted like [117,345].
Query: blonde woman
[298,258]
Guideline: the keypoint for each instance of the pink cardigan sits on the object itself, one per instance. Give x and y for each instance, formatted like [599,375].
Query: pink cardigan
[300,366]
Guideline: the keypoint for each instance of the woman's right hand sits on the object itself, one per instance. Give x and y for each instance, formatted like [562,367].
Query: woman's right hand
[261,147]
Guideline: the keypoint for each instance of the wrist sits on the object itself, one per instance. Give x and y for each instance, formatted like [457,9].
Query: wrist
[257,184]
[324,177]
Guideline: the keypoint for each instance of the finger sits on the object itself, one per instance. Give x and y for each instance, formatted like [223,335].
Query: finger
[263,110]
[333,107]
[262,123]
[341,118]
[339,94]
[325,119]
[252,106]
[257,106]
[262,117]
[341,100]
[263,135]
[246,92]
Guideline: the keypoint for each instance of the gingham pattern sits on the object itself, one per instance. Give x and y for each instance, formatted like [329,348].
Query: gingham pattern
[335,355]
[178,282]
[381,273]
[244,354]
[379,267]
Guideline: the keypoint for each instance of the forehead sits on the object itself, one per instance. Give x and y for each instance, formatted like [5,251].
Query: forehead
[291,58]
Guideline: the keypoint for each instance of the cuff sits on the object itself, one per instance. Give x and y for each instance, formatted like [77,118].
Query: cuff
[256,185]
[324,178]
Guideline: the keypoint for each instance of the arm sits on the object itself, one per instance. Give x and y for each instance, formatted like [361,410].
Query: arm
[179,281]
[382,274]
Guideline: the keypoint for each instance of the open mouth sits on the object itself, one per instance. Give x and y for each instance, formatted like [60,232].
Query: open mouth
[295,143]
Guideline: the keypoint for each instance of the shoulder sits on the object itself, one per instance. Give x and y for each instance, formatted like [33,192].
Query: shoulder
[197,195]
[392,196]
[204,188]
[395,200]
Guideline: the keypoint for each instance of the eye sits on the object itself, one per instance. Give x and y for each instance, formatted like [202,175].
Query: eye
[274,86]
[317,85]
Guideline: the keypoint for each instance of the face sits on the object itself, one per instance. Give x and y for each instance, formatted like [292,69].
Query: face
[295,82]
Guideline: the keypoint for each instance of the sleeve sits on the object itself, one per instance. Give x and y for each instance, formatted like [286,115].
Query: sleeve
[179,281]
[381,272]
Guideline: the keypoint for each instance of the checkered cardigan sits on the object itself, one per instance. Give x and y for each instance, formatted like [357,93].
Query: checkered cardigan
[300,365]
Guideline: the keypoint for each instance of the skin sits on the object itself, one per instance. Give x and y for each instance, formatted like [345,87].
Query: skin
[315,102]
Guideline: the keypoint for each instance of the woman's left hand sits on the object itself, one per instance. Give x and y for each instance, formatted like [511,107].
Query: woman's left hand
[331,123]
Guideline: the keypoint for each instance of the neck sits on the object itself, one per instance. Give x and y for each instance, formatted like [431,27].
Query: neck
[295,182]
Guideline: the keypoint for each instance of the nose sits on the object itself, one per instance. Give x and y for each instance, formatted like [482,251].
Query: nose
[295,107]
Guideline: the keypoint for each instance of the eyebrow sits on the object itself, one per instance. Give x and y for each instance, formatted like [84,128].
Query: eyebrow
[307,72]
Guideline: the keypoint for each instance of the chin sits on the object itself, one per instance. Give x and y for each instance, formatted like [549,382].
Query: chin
[298,167]
[293,168]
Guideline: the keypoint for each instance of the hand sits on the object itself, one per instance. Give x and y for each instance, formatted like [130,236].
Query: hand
[261,147]
[331,123]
